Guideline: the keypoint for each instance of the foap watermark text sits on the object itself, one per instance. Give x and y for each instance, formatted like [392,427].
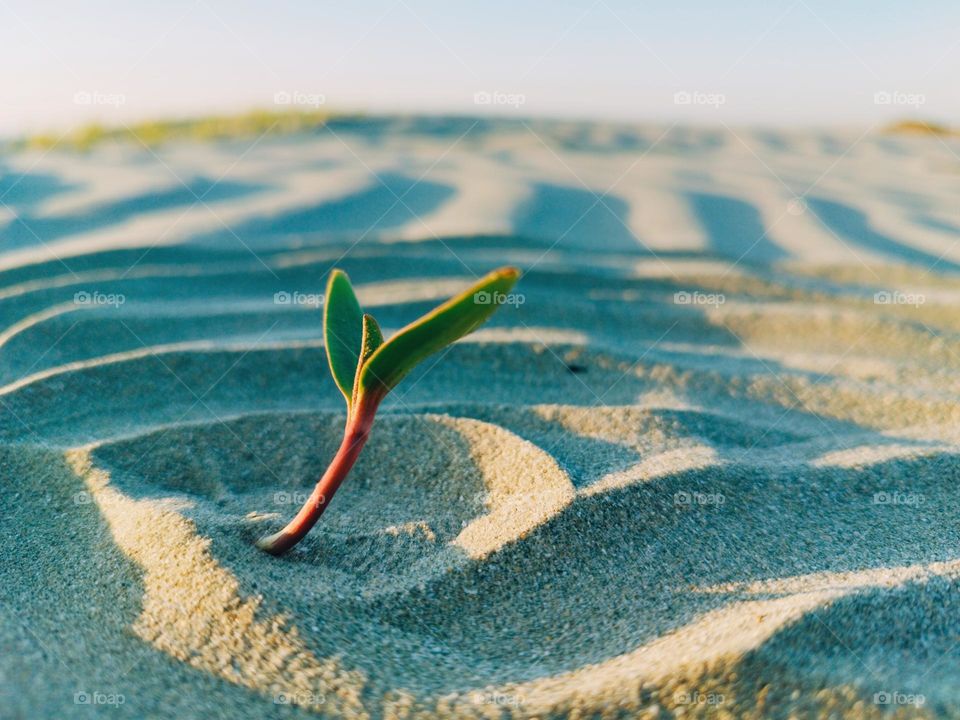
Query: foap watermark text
[95,297]
[697,97]
[694,497]
[299,98]
[895,297]
[485,297]
[496,97]
[683,297]
[298,298]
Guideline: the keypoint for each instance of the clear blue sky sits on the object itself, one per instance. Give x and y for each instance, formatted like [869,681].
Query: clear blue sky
[754,61]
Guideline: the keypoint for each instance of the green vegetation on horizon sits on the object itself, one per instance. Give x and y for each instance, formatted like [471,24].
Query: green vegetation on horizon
[157,132]
[920,127]
[254,123]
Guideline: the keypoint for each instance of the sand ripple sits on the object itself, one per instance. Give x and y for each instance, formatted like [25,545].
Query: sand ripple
[611,502]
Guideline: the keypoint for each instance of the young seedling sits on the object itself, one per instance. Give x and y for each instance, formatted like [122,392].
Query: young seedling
[366,368]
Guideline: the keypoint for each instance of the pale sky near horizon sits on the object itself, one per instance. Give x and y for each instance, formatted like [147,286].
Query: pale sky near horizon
[770,62]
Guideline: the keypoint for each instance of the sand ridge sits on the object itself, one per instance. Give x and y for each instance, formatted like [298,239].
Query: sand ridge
[699,471]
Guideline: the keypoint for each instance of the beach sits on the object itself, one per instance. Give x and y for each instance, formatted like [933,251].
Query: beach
[703,462]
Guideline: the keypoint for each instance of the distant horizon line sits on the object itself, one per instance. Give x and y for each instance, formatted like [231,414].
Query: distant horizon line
[320,115]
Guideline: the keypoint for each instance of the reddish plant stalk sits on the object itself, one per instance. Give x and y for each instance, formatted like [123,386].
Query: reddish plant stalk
[355,435]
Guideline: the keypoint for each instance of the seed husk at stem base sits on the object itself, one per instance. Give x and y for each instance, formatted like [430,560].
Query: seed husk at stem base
[355,435]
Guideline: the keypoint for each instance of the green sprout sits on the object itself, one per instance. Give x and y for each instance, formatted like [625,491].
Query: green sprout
[366,368]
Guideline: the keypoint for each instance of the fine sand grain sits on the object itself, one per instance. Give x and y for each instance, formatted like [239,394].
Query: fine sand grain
[706,465]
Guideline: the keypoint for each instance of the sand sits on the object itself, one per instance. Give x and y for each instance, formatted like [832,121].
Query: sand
[701,470]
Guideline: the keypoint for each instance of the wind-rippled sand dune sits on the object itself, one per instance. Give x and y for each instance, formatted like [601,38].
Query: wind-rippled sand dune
[707,466]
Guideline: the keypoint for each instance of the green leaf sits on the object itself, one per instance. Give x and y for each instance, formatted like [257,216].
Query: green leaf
[342,331]
[435,330]
[372,339]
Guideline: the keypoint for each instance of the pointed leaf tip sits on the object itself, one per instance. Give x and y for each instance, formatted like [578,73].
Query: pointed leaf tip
[442,326]
[372,339]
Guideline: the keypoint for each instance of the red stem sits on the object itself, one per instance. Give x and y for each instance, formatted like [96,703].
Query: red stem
[355,434]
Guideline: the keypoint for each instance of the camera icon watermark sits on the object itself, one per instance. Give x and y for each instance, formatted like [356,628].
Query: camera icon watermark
[498,699]
[486,97]
[304,699]
[697,97]
[695,697]
[91,298]
[896,97]
[684,297]
[95,697]
[283,497]
[685,498]
[895,297]
[284,297]
[95,97]
[894,497]
[894,697]
[299,98]
[485,297]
